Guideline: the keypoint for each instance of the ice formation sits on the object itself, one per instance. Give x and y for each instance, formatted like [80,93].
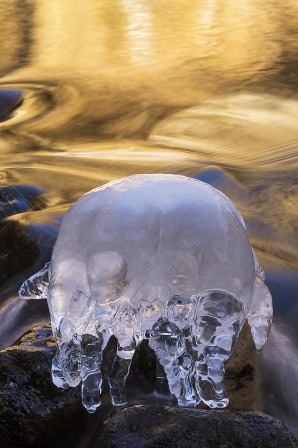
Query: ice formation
[158,257]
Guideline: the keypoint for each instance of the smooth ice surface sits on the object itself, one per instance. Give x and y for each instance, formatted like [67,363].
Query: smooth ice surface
[161,257]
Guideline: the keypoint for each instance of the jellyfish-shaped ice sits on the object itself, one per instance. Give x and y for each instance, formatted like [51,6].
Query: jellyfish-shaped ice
[161,257]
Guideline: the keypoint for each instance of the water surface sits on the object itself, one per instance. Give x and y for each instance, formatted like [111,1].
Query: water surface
[92,91]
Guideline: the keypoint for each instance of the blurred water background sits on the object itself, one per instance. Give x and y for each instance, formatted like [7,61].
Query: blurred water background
[96,90]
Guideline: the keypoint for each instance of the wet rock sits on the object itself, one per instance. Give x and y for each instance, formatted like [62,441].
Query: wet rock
[17,249]
[166,427]
[32,409]
[34,412]
[242,374]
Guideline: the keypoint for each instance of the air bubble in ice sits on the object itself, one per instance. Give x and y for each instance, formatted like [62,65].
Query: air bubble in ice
[158,257]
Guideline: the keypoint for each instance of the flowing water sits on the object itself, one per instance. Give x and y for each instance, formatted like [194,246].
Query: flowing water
[96,90]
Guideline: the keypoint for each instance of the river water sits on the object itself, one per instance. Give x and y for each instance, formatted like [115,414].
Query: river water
[96,90]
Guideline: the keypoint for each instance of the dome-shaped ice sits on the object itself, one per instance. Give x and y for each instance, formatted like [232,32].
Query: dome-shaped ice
[162,257]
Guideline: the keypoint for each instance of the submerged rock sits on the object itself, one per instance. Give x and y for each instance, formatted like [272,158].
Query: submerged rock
[19,199]
[9,100]
[166,427]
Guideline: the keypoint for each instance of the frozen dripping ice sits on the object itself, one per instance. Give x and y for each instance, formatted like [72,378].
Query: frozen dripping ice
[158,257]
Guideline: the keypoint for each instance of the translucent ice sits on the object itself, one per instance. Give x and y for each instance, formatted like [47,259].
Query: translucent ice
[158,257]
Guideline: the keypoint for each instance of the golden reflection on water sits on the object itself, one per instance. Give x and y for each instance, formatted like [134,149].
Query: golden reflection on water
[224,35]
[118,87]
[205,88]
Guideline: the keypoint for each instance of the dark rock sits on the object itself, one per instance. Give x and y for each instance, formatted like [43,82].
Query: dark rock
[17,249]
[32,409]
[165,427]
[242,374]
[34,412]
